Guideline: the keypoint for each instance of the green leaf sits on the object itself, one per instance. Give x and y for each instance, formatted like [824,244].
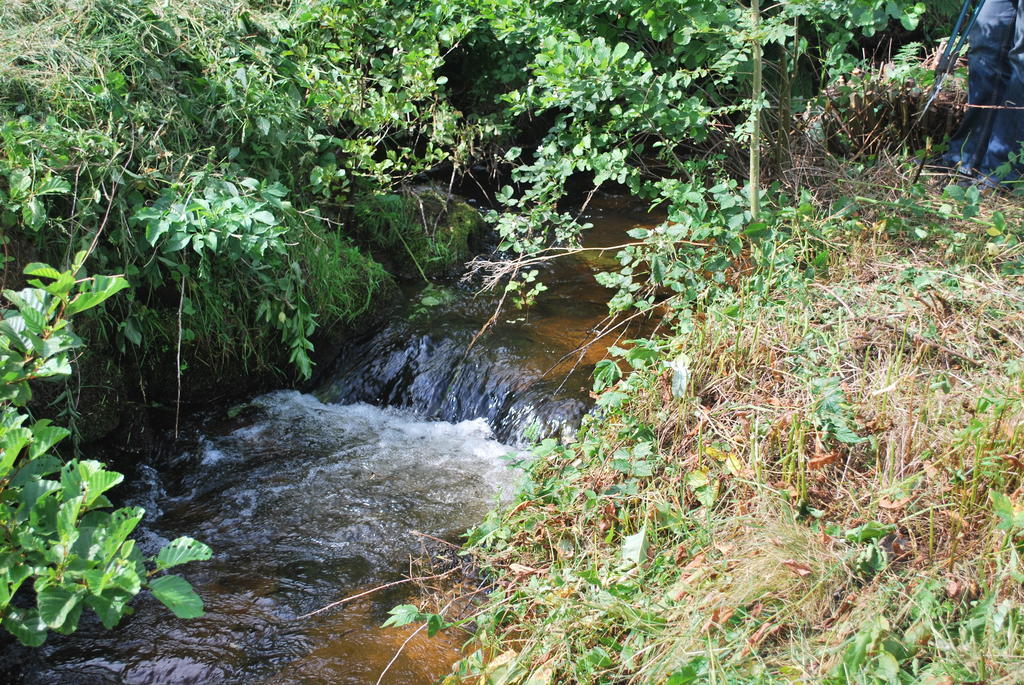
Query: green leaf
[20,181]
[45,437]
[33,213]
[606,373]
[97,480]
[42,270]
[634,547]
[53,185]
[67,519]
[177,595]
[401,615]
[1009,517]
[119,526]
[872,530]
[264,217]
[756,230]
[182,551]
[56,605]
[435,624]
[657,270]
[109,606]
[14,440]
[25,625]
[100,288]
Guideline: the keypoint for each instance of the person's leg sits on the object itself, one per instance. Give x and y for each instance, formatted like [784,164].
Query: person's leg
[1007,129]
[987,73]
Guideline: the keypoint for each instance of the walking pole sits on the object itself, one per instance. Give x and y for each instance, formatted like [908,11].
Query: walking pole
[946,64]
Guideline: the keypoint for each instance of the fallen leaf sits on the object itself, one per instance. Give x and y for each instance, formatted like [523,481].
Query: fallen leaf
[890,504]
[761,633]
[820,461]
[683,586]
[522,570]
[900,547]
[697,561]
[802,570]
[502,659]
[542,676]
[719,617]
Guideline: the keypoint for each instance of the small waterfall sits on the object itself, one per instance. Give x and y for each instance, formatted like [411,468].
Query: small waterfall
[426,364]
[531,369]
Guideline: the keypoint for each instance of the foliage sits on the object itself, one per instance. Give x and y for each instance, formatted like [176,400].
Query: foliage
[56,530]
[240,163]
[784,488]
[200,143]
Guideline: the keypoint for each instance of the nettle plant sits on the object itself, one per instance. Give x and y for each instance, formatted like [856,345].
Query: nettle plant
[62,547]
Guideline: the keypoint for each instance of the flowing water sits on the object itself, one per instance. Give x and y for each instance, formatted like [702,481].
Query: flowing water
[307,499]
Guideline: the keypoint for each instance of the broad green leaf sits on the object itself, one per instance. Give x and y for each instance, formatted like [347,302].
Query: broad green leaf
[34,306]
[67,519]
[56,604]
[264,217]
[14,440]
[60,287]
[606,374]
[177,595]
[33,490]
[53,185]
[872,530]
[657,270]
[120,525]
[634,547]
[33,213]
[101,288]
[20,181]
[109,606]
[44,437]
[87,477]
[182,551]
[1010,518]
[401,615]
[42,270]
[36,469]
[98,481]
[25,625]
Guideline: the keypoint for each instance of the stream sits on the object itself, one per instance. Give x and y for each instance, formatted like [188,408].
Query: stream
[310,498]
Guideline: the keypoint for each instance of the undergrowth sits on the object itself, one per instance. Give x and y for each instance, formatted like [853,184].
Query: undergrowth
[212,154]
[815,478]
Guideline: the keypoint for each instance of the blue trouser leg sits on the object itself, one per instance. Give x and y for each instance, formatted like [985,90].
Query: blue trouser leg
[1007,133]
[995,78]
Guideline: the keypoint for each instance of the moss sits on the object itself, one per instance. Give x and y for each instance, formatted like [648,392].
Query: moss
[422,234]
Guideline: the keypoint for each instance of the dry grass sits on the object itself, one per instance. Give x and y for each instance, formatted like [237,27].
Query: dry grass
[759,510]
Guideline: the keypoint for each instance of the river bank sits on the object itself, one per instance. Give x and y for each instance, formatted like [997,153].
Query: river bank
[405,440]
[813,479]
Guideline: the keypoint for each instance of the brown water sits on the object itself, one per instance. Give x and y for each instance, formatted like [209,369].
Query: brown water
[531,368]
[306,500]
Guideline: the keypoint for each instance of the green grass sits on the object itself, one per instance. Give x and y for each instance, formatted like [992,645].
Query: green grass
[834,498]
